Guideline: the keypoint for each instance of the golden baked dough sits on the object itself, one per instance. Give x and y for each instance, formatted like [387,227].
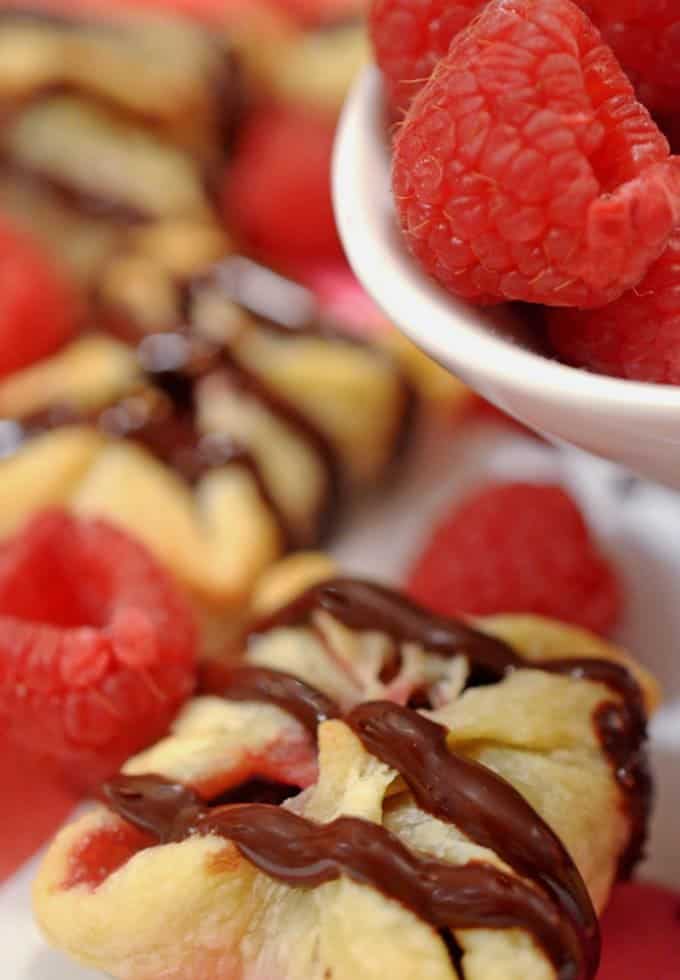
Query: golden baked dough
[92,371]
[114,124]
[219,479]
[198,909]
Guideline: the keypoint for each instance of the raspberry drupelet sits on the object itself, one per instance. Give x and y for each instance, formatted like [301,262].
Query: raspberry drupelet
[526,169]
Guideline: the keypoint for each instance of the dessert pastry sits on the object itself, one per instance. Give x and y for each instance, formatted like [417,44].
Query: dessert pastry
[114,129]
[220,446]
[475,795]
[117,127]
[310,65]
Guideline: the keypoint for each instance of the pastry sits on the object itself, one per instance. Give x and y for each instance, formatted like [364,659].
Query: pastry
[312,66]
[117,128]
[114,130]
[372,792]
[220,445]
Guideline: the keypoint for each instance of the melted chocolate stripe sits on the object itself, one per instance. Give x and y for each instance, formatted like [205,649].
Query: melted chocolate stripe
[168,432]
[302,853]
[304,429]
[556,909]
[361,605]
[307,704]
[622,729]
[456,790]
[485,807]
[78,200]
[176,362]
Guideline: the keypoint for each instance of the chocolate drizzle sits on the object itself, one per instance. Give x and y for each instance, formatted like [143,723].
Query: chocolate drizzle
[175,362]
[483,806]
[548,898]
[307,704]
[152,422]
[163,420]
[304,854]
[621,727]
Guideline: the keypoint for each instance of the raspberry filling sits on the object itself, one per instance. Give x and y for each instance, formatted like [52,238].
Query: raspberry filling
[276,773]
[96,857]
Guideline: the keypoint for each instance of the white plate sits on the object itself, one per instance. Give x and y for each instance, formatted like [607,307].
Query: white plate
[638,524]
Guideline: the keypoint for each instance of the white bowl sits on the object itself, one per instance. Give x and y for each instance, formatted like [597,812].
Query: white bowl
[632,423]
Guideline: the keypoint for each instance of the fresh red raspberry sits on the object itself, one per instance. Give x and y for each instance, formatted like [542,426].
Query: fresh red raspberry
[318,12]
[409,37]
[33,809]
[641,934]
[645,36]
[637,337]
[526,170]
[38,308]
[517,547]
[277,189]
[481,410]
[97,646]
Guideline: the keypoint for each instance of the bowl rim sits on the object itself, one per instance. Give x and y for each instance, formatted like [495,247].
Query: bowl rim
[422,309]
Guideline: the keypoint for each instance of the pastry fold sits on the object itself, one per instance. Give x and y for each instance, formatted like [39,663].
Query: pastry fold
[115,130]
[198,896]
[220,454]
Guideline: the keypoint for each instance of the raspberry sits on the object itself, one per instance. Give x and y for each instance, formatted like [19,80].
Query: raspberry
[37,305]
[32,809]
[517,547]
[645,37]
[409,37]
[526,170]
[94,859]
[481,410]
[277,189]
[97,646]
[318,12]
[637,337]
[641,933]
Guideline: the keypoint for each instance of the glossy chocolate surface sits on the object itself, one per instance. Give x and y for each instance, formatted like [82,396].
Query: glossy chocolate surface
[305,854]
[485,807]
[621,726]
[307,704]
[548,899]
